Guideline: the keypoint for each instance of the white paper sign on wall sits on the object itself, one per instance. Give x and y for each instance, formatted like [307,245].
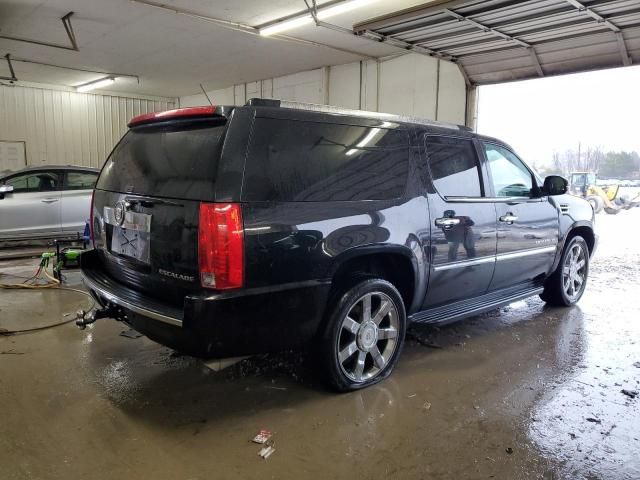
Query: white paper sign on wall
[12,155]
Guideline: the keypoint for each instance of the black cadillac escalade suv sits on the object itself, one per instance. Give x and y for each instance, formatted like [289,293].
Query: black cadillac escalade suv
[223,231]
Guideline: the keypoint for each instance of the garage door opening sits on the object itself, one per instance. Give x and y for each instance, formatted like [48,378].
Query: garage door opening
[583,122]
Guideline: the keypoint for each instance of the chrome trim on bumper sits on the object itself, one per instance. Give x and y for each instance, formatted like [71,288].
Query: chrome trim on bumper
[129,306]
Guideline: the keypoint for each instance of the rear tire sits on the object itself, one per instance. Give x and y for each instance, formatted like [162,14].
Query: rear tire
[567,283]
[596,203]
[364,334]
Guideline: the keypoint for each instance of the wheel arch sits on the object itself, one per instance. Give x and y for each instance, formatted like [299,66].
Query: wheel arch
[585,230]
[394,263]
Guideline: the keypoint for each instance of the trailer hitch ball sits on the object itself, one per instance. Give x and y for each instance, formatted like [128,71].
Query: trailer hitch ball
[83,318]
[87,318]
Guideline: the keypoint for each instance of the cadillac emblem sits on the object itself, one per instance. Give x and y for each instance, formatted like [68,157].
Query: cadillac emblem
[118,212]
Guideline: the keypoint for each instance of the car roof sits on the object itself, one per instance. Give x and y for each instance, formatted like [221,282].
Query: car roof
[49,167]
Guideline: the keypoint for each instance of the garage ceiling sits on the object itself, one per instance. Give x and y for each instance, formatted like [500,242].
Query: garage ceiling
[173,53]
[503,40]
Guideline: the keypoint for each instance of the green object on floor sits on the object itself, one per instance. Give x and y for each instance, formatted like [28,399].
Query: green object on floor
[71,254]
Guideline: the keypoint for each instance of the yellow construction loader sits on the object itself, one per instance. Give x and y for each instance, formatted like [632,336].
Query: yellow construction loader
[583,184]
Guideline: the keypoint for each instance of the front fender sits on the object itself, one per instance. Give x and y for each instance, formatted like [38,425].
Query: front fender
[565,233]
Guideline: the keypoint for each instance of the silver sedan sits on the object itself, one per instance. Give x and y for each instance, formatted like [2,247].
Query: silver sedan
[45,202]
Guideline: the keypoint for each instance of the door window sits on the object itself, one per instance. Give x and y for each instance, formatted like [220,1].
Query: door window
[34,182]
[80,180]
[509,176]
[454,167]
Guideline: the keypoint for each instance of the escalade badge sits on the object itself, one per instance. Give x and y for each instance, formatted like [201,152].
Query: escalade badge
[118,212]
[178,276]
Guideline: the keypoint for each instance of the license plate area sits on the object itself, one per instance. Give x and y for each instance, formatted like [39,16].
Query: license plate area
[131,243]
[131,238]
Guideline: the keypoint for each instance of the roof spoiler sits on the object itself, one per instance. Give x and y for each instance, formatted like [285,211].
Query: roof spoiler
[179,113]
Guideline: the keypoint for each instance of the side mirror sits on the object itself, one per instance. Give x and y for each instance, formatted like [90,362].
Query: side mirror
[555,185]
[4,189]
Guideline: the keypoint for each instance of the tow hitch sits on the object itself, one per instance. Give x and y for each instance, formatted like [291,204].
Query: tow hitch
[87,318]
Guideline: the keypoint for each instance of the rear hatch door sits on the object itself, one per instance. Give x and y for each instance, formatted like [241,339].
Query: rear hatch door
[146,204]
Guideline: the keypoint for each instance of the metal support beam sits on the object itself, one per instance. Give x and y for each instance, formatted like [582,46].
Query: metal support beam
[626,59]
[532,52]
[471,110]
[624,53]
[536,61]
[486,29]
[13,77]
[66,22]
[75,69]
[395,42]
[593,14]
[464,74]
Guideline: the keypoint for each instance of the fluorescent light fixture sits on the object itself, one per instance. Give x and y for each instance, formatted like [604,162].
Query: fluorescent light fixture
[101,82]
[343,7]
[286,25]
[306,18]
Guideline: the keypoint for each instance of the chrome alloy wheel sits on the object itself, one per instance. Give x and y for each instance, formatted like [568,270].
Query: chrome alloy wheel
[368,336]
[574,272]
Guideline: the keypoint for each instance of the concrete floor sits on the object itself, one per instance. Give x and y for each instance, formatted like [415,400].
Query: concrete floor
[523,392]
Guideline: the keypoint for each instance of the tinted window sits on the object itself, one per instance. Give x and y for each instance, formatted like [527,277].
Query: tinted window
[454,167]
[176,160]
[80,180]
[34,182]
[509,176]
[307,161]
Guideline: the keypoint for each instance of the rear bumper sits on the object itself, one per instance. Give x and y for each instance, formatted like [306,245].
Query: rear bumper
[105,290]
[217,325]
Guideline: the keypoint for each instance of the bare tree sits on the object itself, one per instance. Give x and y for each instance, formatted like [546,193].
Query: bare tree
[578,161]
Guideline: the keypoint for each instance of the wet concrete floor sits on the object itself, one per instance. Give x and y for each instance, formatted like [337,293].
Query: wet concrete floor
[521,393]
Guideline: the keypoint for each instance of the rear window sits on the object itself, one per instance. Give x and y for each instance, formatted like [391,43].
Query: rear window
[80,180]
[308,161]
[177,160]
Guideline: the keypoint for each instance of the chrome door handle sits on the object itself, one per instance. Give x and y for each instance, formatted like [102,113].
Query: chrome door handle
[49,200]
[446,222]
[508,218]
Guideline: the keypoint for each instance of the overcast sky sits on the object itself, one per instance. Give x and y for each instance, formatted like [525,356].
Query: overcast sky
[538,117]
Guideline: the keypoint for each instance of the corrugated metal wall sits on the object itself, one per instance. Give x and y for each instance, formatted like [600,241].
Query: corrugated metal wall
[410,84]
[62,127]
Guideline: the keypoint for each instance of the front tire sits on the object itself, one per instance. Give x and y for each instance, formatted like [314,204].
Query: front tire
[596,203]
[364,335]
[566,285]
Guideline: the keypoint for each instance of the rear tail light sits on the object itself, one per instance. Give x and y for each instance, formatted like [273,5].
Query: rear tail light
[221,246]
[91,232]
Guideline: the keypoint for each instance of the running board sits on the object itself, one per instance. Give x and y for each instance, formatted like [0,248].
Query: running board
[466,308]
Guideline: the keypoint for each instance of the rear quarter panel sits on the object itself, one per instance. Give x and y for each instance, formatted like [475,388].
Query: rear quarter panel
[297,242]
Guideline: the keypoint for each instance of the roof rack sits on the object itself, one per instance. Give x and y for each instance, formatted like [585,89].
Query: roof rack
[268,102]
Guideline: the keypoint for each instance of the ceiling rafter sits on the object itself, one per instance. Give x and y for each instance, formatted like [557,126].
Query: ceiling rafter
[622,46]
[532,52]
